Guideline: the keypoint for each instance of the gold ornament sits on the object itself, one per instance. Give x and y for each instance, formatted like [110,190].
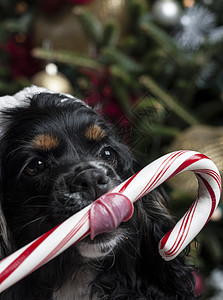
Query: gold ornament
[205,139]
[65,32]
[62,29]
[52,80]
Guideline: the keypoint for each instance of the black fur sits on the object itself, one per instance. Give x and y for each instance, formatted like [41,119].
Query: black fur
[33,204]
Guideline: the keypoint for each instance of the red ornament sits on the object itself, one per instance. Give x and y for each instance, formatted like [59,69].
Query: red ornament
[21,61]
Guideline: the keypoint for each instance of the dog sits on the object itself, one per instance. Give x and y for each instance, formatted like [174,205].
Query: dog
[57,156]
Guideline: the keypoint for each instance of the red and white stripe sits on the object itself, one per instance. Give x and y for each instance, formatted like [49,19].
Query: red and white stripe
[43,249]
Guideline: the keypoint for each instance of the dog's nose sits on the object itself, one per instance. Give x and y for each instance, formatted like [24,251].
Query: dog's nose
[92,181]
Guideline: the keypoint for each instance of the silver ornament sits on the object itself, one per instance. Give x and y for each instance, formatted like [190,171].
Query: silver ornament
[166,12]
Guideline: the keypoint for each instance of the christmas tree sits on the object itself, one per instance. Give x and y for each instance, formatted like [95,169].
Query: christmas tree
[156,68]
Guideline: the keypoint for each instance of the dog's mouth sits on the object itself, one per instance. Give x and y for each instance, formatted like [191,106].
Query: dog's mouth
[73,193]
[102,245]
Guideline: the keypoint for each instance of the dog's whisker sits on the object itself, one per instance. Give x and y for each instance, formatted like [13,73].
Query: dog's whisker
[34,197]
[29,223]
[136,250]
[37,206]
[33,221]
[41,221]
[14,151]
[112,255]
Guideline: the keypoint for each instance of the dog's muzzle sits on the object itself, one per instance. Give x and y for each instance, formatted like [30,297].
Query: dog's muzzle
[79,187]
[91,181]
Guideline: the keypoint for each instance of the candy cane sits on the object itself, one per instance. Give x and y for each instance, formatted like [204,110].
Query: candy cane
[116,206]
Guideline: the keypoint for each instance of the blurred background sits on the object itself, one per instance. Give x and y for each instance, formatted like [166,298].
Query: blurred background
[156,69]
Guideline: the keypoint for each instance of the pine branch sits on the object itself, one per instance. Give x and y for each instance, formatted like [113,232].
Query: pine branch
[120,74]
[21,24]
[115,56]
[170,102]
[163,40]
[90,24]
[67,57]
[137,8]
[111,34]
[159,130]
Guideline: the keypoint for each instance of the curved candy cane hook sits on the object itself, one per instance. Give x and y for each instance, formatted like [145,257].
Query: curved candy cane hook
[201,210]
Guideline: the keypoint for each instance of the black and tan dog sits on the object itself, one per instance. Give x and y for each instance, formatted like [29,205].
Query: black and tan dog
[57,156]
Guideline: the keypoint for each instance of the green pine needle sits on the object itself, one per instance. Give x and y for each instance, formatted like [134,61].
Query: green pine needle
[67,57]
[115,56]
[170,102]
[111,34]
[163,40]
[90,24]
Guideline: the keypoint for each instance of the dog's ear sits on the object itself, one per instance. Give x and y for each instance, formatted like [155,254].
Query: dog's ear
[154,215]
[5,240]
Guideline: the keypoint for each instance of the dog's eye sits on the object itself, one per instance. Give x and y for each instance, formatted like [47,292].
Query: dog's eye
[34,167]
[108,155]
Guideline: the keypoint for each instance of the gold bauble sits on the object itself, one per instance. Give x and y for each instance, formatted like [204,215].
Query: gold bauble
[205,139]
[52,80]
[65,32]
[62,29]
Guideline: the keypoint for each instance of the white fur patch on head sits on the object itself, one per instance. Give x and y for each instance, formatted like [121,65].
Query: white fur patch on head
[22,99]
[8,102]
[29,92]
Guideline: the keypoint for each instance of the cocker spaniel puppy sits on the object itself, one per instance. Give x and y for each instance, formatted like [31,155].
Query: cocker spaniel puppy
[57,155]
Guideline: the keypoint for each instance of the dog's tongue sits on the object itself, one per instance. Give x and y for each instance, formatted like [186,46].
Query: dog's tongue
[108,212]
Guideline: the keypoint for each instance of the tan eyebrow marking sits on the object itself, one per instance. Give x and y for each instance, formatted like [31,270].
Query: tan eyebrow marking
[45,142]
[94,133]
